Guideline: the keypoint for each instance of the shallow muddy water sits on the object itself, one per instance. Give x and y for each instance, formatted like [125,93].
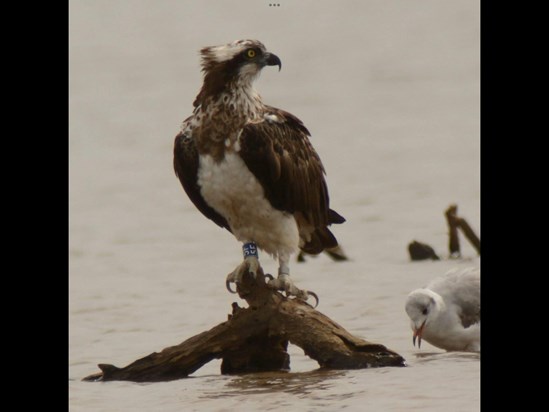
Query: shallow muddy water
[390,93]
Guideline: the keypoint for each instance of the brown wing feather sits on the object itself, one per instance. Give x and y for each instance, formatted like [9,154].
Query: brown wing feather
[280,155]
[185,162]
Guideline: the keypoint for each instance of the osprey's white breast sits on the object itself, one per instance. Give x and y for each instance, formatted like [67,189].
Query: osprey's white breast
[233,191]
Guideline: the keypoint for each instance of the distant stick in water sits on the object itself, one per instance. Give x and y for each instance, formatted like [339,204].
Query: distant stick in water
[455,222]
[422,251]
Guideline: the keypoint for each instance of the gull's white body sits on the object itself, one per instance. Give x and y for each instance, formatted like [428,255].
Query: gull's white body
[446,313]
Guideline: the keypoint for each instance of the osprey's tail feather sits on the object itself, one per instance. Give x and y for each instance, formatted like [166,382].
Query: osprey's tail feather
[322,239]
[336,253]
[334,217]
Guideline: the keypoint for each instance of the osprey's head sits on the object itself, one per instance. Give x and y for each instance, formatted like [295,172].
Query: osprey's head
[234,64]
[239,58]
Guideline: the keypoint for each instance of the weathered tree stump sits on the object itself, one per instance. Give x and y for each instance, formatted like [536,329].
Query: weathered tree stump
[454,223]
[256,339]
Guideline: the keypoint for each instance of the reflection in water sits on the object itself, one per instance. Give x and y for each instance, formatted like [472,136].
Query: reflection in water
[299,383]
[423,357]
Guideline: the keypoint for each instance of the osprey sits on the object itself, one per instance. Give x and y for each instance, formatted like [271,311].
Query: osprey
[251,168]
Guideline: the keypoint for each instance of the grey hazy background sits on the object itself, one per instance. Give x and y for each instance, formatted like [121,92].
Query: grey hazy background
[390,92]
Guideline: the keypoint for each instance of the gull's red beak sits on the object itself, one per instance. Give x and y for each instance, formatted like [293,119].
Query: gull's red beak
[418,332]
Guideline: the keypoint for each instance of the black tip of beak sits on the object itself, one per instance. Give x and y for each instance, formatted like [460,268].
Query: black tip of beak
[273,60]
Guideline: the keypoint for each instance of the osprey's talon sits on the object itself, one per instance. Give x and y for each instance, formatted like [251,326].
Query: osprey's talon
[250,264]
[228,284]
[284,284]
[314,295]
[303,295]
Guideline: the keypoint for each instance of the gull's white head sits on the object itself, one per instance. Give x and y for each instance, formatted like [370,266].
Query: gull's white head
[422,306]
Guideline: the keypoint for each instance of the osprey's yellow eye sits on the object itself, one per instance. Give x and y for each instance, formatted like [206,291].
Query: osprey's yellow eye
[250,53]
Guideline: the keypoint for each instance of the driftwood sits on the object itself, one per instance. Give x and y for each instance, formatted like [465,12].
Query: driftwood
[453,238]
[454,223]
[422,251]
[255,339]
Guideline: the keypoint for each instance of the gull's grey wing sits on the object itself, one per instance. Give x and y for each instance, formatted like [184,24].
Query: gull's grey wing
[460,288]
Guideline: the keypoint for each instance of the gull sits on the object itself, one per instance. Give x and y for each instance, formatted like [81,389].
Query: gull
[446,313]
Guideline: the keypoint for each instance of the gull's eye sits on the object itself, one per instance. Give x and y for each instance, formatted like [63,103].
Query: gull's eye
[424,311]
[250,53]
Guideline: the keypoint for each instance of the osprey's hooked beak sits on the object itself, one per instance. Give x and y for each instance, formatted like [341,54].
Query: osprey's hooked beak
[272,60]
[417,334]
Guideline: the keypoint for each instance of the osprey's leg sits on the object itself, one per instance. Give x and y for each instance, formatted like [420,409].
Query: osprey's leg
[250,264]
[284,283]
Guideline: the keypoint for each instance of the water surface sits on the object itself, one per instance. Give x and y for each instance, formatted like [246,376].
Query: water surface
[390,93]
